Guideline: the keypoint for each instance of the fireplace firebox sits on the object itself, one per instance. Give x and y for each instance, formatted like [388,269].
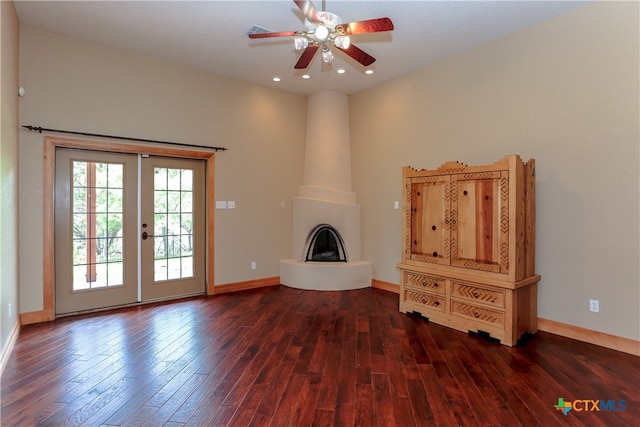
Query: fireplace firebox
[326,245]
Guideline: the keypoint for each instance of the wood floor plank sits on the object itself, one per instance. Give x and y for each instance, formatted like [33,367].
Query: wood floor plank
[420,407]
[274,392]
[419,353]
[487,396]
[344,416]
[323,418]
[376,344]
[246,407]
[511,383]
[383,412]
[347,373]
[329,382]
[363,358]
[306,406]
[402,411]
[323,343]
[446,378]
[364,405]
[437,397]
[501,381]
[284,356]
[292,396]
[165,408]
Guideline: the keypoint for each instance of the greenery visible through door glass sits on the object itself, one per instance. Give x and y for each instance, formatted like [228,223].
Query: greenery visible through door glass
[97,198]
[173,226]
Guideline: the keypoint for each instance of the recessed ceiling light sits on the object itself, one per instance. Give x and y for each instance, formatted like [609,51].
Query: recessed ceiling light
[341,71]
[369,72]
[306,76]
[276,79]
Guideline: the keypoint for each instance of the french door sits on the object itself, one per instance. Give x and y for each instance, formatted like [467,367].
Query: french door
[128,228]
[172,222]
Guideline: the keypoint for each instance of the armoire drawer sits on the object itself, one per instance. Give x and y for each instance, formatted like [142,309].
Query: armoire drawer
[474,293]
[426,282]
[477,313]
[433,301]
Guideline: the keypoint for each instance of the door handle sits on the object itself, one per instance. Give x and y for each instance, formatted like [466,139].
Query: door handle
[145,235]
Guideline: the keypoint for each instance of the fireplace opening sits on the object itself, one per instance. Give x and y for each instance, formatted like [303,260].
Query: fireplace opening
[326,245]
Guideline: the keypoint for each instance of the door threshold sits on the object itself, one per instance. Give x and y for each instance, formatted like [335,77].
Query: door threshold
[159,301]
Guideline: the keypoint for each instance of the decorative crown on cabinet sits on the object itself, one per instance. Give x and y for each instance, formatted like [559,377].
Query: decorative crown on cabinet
[469,247]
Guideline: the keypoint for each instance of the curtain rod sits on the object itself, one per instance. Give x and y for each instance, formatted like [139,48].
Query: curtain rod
[125,138]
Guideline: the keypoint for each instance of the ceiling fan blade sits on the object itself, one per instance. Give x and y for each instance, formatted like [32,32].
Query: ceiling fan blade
[307,56]
[274,34]
[309,10]
[361,27]
[359,55]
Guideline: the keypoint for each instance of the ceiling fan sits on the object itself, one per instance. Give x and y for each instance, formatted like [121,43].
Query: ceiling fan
[323,29]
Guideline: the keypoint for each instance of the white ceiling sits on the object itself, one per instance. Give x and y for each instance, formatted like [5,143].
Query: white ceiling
[212,35]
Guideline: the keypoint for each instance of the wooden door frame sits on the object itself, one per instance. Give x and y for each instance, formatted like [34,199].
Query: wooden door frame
[48,192]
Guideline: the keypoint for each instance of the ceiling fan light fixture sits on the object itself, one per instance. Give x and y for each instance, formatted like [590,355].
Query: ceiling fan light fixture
[301,43]
[327,56]
[342,42]
[322,33]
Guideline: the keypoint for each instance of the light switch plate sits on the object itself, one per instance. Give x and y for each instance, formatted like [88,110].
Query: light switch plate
[231,204]
[221,204]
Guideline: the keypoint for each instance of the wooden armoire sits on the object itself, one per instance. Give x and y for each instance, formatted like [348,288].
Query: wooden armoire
[469,247]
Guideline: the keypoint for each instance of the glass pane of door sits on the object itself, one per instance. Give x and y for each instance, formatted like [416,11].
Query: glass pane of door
[98,195]
[173,220]
[173,223]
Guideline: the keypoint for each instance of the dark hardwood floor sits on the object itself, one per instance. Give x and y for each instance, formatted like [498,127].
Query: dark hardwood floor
[280,356]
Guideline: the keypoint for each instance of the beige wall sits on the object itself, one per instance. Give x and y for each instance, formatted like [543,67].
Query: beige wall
[564,92]
[9,48]
[80,86]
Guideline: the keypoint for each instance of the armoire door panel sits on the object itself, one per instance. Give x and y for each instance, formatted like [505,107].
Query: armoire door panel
[477,237]
[430,234]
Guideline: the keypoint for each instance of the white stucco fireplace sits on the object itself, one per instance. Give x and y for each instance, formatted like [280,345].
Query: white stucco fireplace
[325,198]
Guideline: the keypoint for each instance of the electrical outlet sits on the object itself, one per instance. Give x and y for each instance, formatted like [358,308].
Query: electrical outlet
[594,305]
[253,265]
